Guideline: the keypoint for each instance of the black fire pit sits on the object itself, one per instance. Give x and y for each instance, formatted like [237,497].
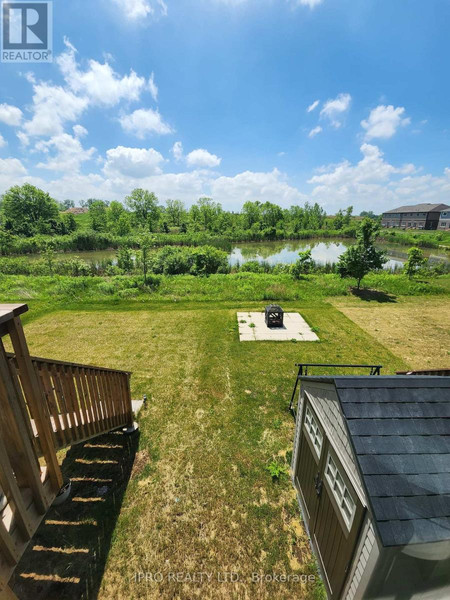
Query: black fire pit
[274,315]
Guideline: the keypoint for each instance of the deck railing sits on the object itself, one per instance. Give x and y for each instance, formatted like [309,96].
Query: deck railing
[45,405]
[82,401]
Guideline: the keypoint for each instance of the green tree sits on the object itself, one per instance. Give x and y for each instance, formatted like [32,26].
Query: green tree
[27,210]
[145,245]
[205,214]
[97,215]
[68,224]
[125,259]
[48,254]
[363,257]
[416,261]
[271,215]
[369,214]
[303,265]
[176,212]
[348,215]
[114,214]
[123,226]
[66,204]
[338,221]
[251,214]
[145,207]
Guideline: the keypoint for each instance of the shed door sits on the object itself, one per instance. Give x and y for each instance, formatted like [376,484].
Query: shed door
[337,521]
[309,462]
[333,510]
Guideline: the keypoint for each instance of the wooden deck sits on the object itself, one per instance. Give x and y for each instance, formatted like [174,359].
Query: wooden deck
[45,405]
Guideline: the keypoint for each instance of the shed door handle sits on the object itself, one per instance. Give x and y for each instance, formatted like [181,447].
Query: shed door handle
[318,484]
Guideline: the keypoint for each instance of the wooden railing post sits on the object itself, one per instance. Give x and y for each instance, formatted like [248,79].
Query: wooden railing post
[36,400]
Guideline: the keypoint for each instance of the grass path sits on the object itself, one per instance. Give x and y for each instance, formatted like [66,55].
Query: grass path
[200,499]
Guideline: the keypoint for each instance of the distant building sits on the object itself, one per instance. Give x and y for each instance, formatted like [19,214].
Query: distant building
[444,221]
[77,210]
[416,216]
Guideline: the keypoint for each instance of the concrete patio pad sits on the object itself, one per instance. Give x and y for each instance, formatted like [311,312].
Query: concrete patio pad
[295,328]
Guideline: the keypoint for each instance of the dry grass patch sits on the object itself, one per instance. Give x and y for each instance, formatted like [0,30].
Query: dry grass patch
[415,329]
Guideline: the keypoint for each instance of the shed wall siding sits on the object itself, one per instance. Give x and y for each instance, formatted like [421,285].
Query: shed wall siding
[297,434]
[325,403]
[367,552]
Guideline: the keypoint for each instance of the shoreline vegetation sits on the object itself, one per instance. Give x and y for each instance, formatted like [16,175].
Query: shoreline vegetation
[90,240]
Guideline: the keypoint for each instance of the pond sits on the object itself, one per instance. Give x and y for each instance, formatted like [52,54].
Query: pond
[323,251]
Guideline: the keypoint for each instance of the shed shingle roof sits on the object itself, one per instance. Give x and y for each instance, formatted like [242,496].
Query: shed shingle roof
[399,428]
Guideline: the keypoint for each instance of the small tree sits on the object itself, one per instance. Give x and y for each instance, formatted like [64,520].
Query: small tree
[125,259]
[416,260]
[303,264]
[363,257]
[145,244]
[48,254]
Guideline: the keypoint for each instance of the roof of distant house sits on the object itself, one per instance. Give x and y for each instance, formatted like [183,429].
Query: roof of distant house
[76,210]
[418,208]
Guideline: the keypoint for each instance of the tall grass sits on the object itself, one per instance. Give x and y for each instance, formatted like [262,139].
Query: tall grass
[235,287]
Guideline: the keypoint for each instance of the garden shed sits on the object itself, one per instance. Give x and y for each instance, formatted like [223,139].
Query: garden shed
[371,466]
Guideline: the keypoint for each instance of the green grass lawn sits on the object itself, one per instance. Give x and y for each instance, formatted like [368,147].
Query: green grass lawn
[199,497]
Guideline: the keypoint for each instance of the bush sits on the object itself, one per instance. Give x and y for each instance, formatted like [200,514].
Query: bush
[177,260]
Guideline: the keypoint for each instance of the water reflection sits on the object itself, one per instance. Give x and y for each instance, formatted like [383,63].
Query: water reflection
[322,251]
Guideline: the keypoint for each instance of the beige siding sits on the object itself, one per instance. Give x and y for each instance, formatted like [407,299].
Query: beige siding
[365,558]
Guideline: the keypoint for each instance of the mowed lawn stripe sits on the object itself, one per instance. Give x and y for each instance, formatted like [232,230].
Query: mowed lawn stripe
[203,500]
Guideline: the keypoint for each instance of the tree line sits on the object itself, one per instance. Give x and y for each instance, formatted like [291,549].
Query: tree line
[28,211]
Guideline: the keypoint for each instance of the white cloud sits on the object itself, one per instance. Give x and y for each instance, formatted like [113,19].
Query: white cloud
[315,131]
[333,110]
[13,172]
[271,186]
[12,167]
[3,142]
[97,85]
[143,122]
[79,131]
[310,3]
[177,151]
[135,10]
[52,107]
[23,138]
[153,87]
[132,162]
[68,153]
[202,158]
[366,184]
[313,106]
[11,115]
[384,121]
[99,82]
[199,158]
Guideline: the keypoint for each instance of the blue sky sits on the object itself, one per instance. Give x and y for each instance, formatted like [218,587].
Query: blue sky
[336,101]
